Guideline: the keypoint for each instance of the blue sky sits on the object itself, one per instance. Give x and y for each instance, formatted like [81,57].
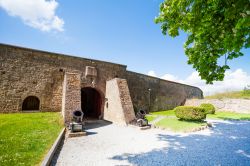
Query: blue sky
[121,31]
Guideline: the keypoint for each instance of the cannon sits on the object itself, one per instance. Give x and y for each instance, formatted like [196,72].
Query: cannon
[77,116]
[141,120]
[77,121]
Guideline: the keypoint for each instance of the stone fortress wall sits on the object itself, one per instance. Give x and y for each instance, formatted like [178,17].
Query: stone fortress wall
[229,105]
[27,72]
[154,94]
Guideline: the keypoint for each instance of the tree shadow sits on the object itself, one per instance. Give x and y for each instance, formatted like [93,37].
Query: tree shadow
[228,143]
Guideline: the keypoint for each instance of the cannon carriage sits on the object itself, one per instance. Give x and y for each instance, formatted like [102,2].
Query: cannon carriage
[141,119]
[77,121]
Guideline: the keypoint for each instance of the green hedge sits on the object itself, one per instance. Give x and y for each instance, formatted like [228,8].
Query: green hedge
[190,113]
[209,108]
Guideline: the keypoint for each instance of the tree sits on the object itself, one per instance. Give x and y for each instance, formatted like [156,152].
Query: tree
[246,90]
[216,29]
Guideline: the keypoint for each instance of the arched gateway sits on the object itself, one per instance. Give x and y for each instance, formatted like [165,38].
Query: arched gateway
[91,103]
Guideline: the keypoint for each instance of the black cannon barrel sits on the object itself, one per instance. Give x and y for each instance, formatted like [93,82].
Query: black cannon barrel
[141,114]
[77,116]
[77,113]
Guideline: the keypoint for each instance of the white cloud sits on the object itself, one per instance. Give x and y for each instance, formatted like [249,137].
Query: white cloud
[234,80]
[39,14]
[152,73]
[169,77]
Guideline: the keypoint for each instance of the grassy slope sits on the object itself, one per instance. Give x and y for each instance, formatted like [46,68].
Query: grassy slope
[179,126]
[164,113]
[229,116]
[150,118]
[172,123]
[234,95]
[26,138]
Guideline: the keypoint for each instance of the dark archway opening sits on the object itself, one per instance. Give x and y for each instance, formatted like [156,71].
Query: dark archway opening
[31,103]
[91,103]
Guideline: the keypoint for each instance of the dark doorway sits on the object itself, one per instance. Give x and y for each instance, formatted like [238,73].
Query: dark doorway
[31,103]
[91,103]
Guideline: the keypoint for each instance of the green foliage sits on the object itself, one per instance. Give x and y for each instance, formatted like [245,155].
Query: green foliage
[209,108]
[215,29]
[26,138]
[190,113]
[246,90]
[176,125]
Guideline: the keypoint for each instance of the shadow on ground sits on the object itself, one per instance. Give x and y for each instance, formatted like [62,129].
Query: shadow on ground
[96,124]
[227,144]
[90,124]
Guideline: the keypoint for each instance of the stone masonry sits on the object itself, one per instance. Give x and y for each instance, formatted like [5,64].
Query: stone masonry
[71,95]
[57,81]
[119,107]
[232,105]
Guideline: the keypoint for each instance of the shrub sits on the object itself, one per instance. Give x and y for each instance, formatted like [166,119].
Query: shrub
[209,108]
[190,113]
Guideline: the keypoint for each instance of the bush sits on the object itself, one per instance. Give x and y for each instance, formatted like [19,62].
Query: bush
[190,113]
[209,108]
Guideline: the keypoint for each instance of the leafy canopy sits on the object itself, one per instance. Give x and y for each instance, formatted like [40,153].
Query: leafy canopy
[216,29]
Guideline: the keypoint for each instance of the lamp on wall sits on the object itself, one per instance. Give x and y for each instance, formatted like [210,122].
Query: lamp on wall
[106,102]
[149,99]
[93,83]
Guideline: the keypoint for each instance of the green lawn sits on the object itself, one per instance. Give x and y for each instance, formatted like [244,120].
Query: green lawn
[153,115]
[25,138]
[245,94]
[171,122]
[150,118]
[176,125]
[229,115]
[164,113]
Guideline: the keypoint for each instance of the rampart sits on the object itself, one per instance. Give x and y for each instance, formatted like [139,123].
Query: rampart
[34,79]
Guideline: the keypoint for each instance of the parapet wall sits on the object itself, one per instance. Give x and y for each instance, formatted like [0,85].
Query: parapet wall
[154,94]
[232,105]
[28,72]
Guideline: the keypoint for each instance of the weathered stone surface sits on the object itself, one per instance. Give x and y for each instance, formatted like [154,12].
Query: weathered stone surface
[154,94]
[77,134]
[27,72]
[234,105]
[119,107]
[71,95]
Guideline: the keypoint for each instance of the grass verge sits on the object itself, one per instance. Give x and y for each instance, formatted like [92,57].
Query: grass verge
[229,116]
[25,138]
[172,123]
[151,118]
[164,113]
[176,125]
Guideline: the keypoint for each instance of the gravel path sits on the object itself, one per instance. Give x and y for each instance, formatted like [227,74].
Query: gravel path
[227,143]
[157,119]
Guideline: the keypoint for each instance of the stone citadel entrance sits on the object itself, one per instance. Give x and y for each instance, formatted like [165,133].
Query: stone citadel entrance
[91,103]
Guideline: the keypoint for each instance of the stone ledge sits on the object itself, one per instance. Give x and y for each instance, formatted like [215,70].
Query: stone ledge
[145,127]
[47,160]
[77,134]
